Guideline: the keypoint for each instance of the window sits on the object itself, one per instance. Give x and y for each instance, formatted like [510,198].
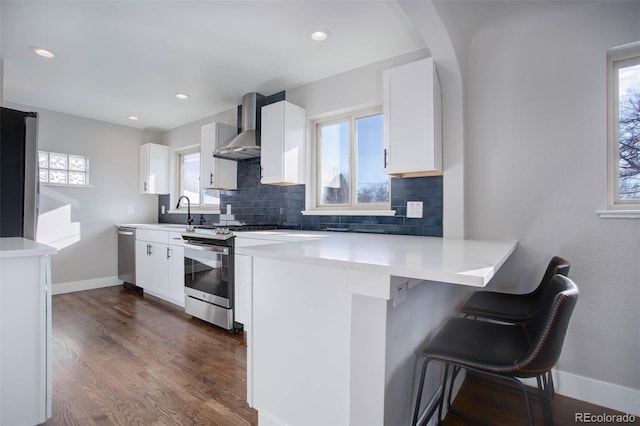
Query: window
[63,169]
[624,127]
[189,180]
[350,165]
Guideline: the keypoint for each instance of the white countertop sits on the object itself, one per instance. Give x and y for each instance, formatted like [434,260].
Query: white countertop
[12,247]
[159,226]
[467,262]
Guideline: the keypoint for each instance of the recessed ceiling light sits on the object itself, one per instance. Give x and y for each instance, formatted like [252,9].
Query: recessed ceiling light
[182,96]
[320,34]
[134,118]
[42,52]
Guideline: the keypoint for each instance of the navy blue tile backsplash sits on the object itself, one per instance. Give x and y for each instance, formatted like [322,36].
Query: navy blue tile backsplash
[256,204]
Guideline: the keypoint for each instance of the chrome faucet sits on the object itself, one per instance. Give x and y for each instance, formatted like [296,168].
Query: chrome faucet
[189,218]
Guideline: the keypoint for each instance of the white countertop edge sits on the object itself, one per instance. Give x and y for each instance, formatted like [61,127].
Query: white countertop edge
[13,247]
[474,278]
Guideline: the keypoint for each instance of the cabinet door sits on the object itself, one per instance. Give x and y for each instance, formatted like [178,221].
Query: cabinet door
[144,265]
[154,169]
[242,295]
[282,144]
[152,267]
[144,169]
[216,173]
[411,100]
[176,274]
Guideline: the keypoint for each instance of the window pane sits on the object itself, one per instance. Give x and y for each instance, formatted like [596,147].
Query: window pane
[44,175]
[334,163]
[372,183]
[77,178]
[57,176]
[77,163]
[191,176]
[58,161]
[211,197]
[43,159]
[629,131]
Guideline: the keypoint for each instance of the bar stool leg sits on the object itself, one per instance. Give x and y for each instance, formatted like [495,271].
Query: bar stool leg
[416,411]
[444,389]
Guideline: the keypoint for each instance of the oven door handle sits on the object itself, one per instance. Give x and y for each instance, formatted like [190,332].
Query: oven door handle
[206,247]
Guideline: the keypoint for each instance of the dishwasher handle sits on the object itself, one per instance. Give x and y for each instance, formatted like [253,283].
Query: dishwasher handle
[125,233]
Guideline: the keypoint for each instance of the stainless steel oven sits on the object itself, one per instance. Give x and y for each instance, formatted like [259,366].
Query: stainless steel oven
[209,286]
[208,280]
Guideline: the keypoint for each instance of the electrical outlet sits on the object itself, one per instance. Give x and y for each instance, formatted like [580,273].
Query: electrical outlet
[228,208]
[163,209]
[130,209]
[414,209]
[401,293]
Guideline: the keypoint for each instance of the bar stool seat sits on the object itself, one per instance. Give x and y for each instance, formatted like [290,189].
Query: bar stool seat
[484,345]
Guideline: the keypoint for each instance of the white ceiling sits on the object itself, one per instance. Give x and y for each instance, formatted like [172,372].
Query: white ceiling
[120,58]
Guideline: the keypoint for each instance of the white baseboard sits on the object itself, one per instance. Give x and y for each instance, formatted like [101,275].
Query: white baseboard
[70,287]
[609,395]
[267,419]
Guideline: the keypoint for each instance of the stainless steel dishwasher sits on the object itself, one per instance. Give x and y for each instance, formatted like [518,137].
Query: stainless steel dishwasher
[127,255]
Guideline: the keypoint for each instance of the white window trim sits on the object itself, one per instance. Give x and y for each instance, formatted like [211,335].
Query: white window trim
[212,209]
[616,209]
[311,204]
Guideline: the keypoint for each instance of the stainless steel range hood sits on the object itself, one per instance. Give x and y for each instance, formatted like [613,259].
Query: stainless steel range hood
[247,143]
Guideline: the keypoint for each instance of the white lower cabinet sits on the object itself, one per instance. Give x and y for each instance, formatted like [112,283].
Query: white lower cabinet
[160,265]
[176,274]
[242,296]
[25,336]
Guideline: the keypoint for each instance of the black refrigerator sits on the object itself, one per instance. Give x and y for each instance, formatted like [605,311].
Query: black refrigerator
[19,182]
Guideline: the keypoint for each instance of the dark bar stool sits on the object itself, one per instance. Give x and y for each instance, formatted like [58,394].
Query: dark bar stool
[513,308]
[504,351]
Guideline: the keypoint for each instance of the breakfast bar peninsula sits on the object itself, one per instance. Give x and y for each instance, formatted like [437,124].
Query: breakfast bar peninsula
[336,320]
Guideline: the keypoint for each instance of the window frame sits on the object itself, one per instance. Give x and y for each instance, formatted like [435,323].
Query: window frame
[617,58]
[199,207]
[87,182]
[314,205]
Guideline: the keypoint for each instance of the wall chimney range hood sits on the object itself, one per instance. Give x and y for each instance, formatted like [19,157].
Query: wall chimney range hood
[247,143]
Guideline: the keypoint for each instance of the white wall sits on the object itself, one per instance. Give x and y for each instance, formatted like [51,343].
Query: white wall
[536,168]
[113,156]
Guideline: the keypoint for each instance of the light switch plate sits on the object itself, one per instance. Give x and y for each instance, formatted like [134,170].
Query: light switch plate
[414,209]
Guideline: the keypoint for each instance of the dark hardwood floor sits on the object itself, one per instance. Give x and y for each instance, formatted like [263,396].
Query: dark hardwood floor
[124,358]
[504,406]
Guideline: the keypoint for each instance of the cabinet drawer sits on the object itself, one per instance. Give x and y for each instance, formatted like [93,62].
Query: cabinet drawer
[152,235]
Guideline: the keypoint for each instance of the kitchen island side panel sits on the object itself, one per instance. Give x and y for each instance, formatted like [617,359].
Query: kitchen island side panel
[300,343]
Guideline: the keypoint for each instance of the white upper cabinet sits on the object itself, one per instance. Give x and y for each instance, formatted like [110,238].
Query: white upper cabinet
[412,120]
[282,144]
[217,173]
[154,169]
